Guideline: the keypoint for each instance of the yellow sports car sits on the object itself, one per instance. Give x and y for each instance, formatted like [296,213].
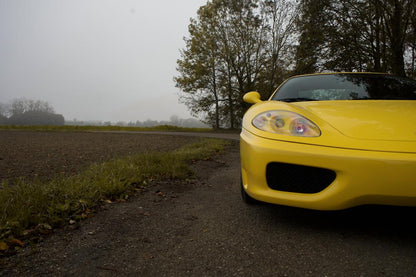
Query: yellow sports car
[331,141]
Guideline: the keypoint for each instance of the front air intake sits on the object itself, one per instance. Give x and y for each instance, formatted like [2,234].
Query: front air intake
[298,178]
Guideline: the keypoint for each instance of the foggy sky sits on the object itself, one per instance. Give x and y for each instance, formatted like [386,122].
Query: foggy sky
[109,60]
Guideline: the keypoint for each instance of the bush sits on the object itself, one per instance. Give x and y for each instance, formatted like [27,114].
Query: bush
[36,118]
[3,120]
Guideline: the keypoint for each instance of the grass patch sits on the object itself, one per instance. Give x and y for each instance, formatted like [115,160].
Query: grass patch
[47,204]
[70,128]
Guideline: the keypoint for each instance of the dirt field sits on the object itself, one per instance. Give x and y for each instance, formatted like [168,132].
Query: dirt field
[45,154]
[201,227]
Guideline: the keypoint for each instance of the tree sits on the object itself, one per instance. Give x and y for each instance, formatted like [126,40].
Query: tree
[397,16]
[29,112]
[411,45]
[311,24]
[240,34]
[198,68]
[281,36]
[36,118]
[234,47]
[22,105]
[355,35]
[4,109]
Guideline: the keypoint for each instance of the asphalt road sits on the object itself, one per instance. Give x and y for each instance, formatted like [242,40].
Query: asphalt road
[203,228]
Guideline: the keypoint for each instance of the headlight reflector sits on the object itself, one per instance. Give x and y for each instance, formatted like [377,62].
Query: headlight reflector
[286,123]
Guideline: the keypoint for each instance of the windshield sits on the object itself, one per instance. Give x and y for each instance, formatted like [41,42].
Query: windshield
[346,87]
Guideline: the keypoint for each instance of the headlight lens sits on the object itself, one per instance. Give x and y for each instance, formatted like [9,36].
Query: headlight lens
[286,123]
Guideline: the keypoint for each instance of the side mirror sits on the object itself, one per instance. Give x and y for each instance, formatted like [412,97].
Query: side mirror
[252,97]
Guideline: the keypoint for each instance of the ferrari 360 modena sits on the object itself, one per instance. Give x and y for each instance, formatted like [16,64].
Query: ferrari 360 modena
[331,141]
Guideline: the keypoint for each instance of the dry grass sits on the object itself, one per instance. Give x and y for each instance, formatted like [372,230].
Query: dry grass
[25,205]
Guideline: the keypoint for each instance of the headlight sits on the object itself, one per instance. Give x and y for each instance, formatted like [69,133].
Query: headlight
[286,123]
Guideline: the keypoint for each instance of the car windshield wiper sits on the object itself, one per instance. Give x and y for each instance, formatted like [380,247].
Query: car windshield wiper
[297,99]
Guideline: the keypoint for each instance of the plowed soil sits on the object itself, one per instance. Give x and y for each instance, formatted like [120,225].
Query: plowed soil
[45,154]
[201,227]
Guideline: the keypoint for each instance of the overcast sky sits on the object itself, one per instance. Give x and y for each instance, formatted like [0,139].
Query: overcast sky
[109,60]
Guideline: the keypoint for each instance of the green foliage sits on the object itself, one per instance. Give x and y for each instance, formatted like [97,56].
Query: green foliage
[234,47]
[312,26]
[36,118]
[37,203]
[22,105]
[29,112]
[238,46]
[357,35]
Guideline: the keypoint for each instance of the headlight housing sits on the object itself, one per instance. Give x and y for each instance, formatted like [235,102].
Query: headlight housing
[286,123]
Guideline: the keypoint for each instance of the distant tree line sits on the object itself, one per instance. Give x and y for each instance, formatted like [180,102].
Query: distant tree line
[236,46]
[36,112]
[29,112]
[173,121]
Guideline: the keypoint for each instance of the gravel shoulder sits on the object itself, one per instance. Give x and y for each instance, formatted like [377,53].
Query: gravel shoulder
[201,228]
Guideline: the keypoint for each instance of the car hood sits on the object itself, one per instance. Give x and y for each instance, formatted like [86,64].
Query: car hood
[392,120]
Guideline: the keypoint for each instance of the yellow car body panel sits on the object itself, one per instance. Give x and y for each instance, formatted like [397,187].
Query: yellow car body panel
[370,145]
[363,177]
[397,118]
[355,119]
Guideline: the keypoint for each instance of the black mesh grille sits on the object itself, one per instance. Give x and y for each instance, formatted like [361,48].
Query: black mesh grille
[298,178]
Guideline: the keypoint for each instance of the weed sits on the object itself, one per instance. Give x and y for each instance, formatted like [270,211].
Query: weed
[38,204]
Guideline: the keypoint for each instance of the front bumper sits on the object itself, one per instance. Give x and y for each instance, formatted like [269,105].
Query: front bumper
[362,177]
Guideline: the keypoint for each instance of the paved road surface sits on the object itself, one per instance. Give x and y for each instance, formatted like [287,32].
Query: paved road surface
[204,229]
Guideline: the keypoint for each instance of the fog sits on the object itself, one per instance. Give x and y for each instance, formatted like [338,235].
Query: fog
[107,60]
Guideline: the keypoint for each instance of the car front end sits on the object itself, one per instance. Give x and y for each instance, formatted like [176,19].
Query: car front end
[330,155]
